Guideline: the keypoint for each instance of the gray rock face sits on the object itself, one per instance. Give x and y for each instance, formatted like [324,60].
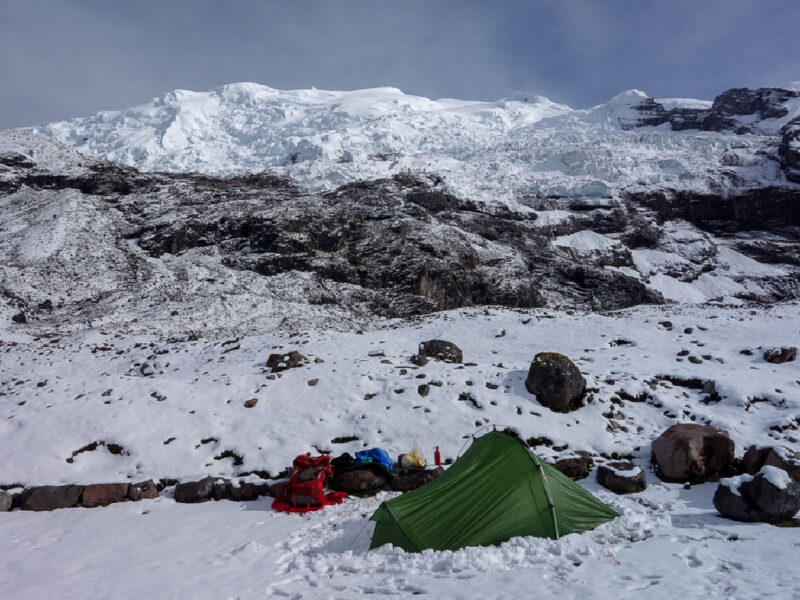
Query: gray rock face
[195,491]
[764,103]
[789,150]
[51,497]
[779,356]
[690,452]
[758,498]
[5,501]
[556,381]
[621,477]
[394,247]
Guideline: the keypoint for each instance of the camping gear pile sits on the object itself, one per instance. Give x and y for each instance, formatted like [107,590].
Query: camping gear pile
[496,490]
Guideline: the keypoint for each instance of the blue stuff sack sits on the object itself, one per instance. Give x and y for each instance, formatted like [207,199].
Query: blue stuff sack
[375,455]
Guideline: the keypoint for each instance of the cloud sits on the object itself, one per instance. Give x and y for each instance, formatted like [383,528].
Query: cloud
[74,57]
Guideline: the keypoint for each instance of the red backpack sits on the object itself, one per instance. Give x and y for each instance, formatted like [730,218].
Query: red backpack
[305,486]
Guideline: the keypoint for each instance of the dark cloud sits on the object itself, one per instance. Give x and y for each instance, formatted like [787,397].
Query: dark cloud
[66,58]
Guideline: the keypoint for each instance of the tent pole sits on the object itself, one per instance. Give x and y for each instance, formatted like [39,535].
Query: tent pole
[546,485]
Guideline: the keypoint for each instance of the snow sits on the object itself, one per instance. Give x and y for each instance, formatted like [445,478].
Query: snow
[157,548]
[586,241]
[244,550]
[495,152]
[777,477]
[670,103]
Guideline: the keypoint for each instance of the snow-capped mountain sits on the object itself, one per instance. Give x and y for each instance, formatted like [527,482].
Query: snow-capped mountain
[511,151]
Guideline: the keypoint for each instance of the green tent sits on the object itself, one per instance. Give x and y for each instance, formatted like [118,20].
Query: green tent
[497,490]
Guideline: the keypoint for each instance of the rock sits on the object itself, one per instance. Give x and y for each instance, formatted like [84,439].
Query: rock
[249,491]
[6,501]
[277,490]
[411,479]
[19,318]
[282,362]
[575,467]
[222,489]
[144,490]
[423,389]
[195,491]
[779,356]
[621,477]
[366,480]
[147,370]
[691,452]
[439,350]
[46,305]
[770,495]
[50,497]
[556,382]
[731,505]
[773,456]
[102,494]
[250,403]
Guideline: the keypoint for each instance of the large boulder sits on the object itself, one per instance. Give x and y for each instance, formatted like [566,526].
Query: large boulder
[144,490]
[773,456]
[366,480]
[288,360]
[691,452]
[50,497]
[556,381]
[437,350]
[195,491]
[103,494]
[779,356]
[5,501]
[411,479]
[621,477]
[770,496]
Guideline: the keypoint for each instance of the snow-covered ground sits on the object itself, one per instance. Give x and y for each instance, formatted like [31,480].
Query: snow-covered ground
[60,394]
[668,543]
[505,151]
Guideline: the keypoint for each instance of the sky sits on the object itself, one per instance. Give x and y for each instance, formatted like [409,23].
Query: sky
[70,58]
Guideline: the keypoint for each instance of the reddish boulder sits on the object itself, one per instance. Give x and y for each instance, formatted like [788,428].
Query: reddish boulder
[576,467]
[144,490]
[103,494]
[691,452]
